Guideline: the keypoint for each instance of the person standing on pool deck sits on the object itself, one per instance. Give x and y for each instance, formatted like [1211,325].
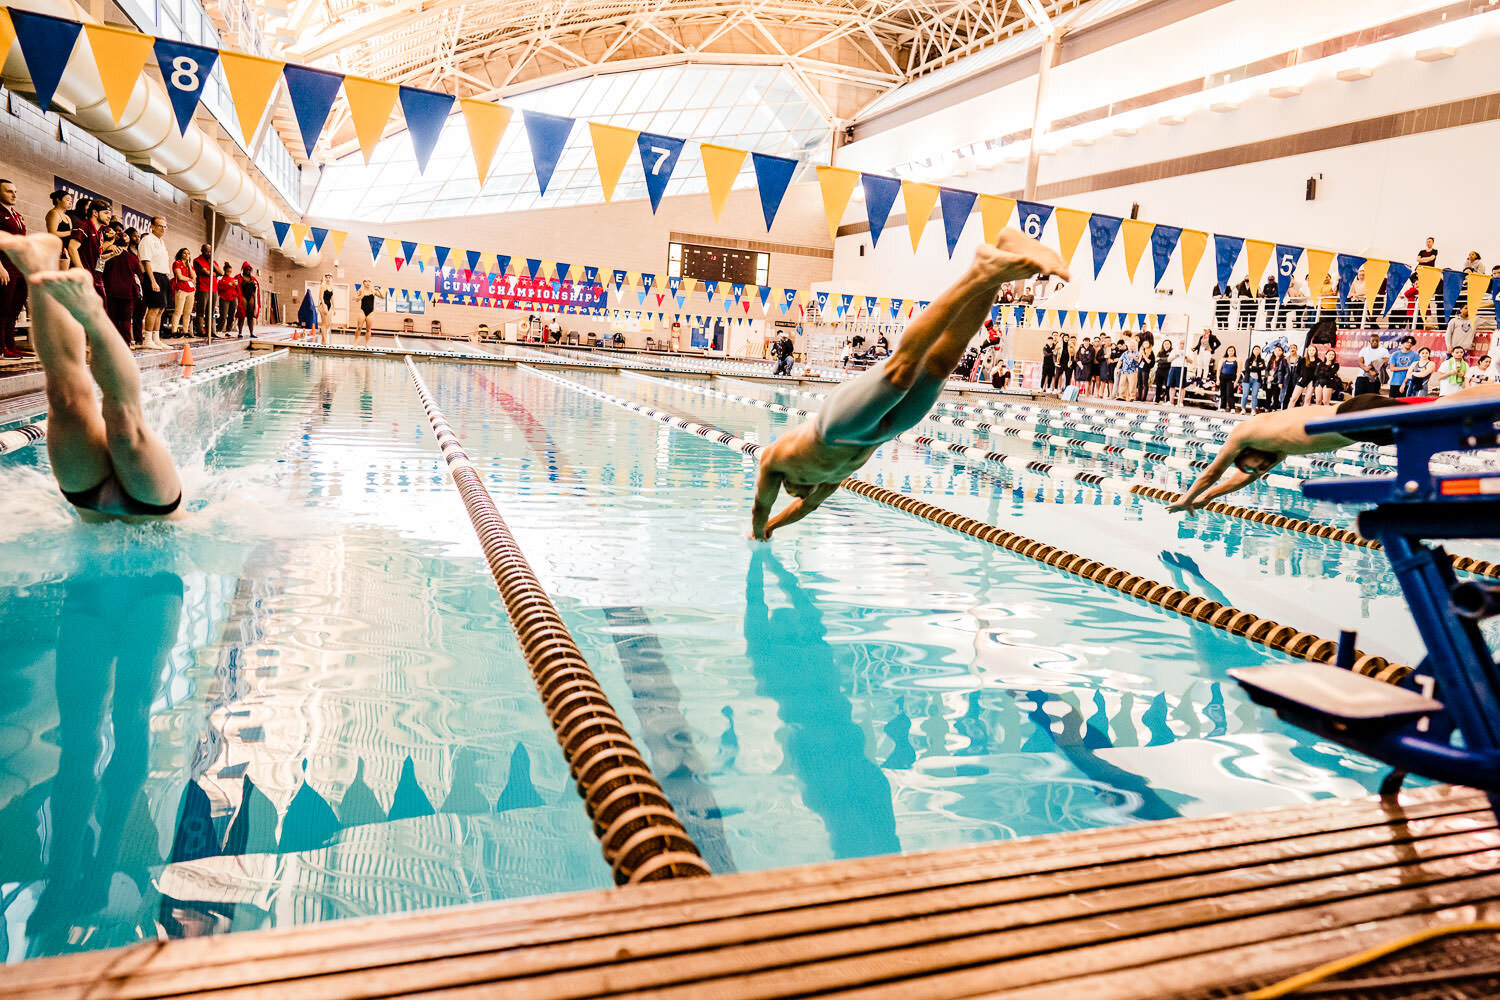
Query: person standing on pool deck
[366,307]
[811,460]
[108,463]
[325,308]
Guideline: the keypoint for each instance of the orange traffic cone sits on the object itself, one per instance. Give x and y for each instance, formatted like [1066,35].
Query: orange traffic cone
[186,360]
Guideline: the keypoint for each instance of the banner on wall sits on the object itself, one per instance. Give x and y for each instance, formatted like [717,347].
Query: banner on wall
[129,217]
[456,286]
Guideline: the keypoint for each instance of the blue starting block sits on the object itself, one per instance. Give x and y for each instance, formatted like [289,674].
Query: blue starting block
[1442,722]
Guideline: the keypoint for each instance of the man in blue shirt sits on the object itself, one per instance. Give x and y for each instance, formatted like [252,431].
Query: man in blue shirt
[1402,359]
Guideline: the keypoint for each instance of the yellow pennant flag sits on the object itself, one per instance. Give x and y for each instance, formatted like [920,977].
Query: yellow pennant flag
[337,237]
[370,103]
[632,278]
[1071,224]
[1137,235]
[424,253]
[612,148]
[120,55]
[1475,285]
[300,233]
[721,165]
[1318,262]
[252,86]
[1374,274]
[837,185]
[1192,242]
[688,284]
[547,271]
[486,123]
[919,200]
[1257,255]
[1427,282]
[7,35]
[994,213]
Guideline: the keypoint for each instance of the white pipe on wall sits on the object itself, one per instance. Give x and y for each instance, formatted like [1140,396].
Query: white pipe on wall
[192,162]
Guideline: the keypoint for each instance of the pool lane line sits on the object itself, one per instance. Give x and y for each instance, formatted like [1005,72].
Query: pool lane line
[1263,631]
[33,433]
[642,838]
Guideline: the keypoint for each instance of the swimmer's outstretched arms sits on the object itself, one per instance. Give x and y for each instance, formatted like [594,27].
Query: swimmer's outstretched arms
[1260,443]
[811,460]
[107,462]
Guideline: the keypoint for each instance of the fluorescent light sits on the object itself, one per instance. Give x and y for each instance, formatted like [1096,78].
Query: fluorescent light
[1172,119]
[1224,106]
[1126,130]
[1286,90]
[1352,73]
[1437,53]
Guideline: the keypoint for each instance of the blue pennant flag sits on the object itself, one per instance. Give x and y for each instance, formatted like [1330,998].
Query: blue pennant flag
[504,261]
[681,300]
[282,229]
[647,280]
[619,280]
[737,289]
[772,175]
[408,249]
[845,302]
[896,307]
[184,69]
[956,205]
[312,92]
[319,236]
[1039,314]
[442,256]
[1033,217]
[307,245]
[426,112]
[473,258]
[1120,320]
[590,274]
[1161,321]
[1020,314]
[994,314]
[1348,266]
[822,301]
[1452,282]
[1083,320]
[923,304]
[1102,319]
[728,303]
[46,44]
[658,159]
[1140,321]
[533,265]
[1163,242]
[673,285]
[1103,231]
[1226,254]
[880,195]
[710,289]
[788,296]
[562,270]
[870,301]
[1495,298]
[1062,317]
[547,134]
[765,296]
[1285,262]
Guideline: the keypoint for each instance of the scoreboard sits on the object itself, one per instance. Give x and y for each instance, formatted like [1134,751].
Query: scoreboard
[718,264]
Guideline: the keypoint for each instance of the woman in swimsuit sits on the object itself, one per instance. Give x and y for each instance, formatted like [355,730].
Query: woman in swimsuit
[325,308]
[108,463]
[366,307]
[60,224]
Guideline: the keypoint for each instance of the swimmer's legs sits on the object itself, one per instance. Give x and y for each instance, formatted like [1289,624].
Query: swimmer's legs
[141,461]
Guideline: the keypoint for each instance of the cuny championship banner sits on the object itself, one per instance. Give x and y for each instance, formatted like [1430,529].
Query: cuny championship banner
[503,291]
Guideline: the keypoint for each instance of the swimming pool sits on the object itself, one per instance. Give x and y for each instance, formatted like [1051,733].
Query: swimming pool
[304,702]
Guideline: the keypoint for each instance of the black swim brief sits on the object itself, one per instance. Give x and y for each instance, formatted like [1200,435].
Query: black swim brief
[110,497]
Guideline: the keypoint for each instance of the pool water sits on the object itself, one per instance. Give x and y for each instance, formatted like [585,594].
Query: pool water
[304,701]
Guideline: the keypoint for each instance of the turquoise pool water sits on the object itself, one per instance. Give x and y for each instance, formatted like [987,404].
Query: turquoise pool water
[304,702]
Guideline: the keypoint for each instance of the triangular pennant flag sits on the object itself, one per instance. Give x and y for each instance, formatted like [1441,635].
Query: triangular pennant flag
[1163,242]
[1019,312]
[1137,235]
[1122,321]
[765,296]
[896,307]
[185,68]
[47,44]
[502,263]
[1348,266]
[319,235]
[822,298]
[1226,254]
[837,184]
[772,175]
[119,55]
[408,249]
[1103,231]
[7,35]
[956,205]
[426,113]
[1396,279]
[547,135]
[1475,285]
[533,267]
[1257,255]
[1287,258]
[659,155]
[1041,317]
[472,257]
[590,275]
[1140,321]
[721,165]
[282,230]
[1083,320]
[612,148]
[1032,217]
[308,246]
[880,195]
[442,256]
[299,232]
[252,87]
[994,213]
[919,199]
[399,262]
[1193,243]
[337,237]
[370,104]
[1318,262]
[562,268]
[870,301]
[1427,281]
[486,123]
[312,92]
[618,280]
[377,244]
[1071,225]
[1452,282]
[1161,319]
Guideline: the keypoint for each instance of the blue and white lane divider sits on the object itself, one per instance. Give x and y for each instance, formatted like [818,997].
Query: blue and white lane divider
[34,433]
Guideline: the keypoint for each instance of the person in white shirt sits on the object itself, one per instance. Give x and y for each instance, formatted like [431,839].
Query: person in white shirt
[1296,302]
[1178,362]
[1479,373]
[1460,331]
[1373,361]
[156,264]
[1453,373]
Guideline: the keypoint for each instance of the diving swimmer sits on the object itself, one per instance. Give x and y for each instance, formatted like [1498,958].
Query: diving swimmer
[811,460]
[107,462]
[1259,444]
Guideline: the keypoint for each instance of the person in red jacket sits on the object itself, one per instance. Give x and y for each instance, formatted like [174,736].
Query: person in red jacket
[229,298]
[203,276]
[249,300]
[12,283]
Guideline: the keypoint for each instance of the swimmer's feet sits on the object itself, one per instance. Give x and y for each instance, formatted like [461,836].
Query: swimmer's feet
[34,253]
[1016,255]
[74,291]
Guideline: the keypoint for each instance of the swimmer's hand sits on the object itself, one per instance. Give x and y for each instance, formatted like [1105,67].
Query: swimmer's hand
[1244,454]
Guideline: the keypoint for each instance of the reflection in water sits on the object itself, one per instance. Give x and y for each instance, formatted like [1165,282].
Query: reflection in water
[794,665]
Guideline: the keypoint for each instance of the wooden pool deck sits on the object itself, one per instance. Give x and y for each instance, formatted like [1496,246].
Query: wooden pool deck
[1204,907]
